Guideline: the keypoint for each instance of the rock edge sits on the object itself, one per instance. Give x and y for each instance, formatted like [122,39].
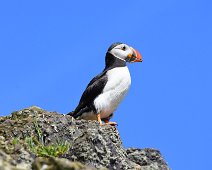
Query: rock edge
[91,146]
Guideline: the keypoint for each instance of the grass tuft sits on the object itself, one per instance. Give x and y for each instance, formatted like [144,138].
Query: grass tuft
[39,148]
[54,150]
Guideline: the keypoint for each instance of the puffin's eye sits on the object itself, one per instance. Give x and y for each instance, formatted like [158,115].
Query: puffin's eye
[123,48]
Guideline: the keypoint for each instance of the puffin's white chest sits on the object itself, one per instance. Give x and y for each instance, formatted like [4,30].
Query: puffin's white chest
[118,84]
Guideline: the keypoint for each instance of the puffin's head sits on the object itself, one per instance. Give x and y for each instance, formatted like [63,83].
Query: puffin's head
[125,52]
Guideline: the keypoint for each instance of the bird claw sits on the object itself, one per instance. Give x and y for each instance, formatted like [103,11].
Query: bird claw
[110,123]
[106,121]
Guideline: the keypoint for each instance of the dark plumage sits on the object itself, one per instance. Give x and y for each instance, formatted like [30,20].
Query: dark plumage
[106,90]
[96,86]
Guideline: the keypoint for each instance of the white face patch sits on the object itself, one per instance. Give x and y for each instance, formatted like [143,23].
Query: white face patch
[121,51]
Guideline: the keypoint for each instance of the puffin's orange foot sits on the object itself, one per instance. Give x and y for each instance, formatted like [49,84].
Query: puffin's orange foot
[99,120]
[106,121]
[111,123]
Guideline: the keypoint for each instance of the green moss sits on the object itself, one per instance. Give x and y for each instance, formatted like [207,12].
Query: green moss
[50,150]
[15,141]
[39,148]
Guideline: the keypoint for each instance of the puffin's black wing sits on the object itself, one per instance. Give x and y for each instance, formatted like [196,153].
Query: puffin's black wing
[93,89]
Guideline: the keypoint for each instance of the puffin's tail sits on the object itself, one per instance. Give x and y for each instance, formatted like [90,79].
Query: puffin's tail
[77,113]
[71,113]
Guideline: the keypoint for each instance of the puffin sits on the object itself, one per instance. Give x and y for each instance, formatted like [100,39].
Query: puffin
[105,91]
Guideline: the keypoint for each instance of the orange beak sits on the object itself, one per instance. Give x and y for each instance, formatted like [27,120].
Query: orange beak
[135,56]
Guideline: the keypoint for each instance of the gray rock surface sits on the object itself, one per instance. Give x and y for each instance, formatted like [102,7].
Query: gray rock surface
[90,146]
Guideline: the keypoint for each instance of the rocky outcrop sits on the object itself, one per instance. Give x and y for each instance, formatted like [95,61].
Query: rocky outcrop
[37,139]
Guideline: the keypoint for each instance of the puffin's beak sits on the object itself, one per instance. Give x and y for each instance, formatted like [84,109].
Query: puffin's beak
[135,56]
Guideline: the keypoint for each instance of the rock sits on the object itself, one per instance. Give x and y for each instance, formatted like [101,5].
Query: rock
[147,158]
[66,143]
[58,164]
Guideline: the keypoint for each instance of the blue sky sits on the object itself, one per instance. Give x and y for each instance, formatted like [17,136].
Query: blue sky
[50,50]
